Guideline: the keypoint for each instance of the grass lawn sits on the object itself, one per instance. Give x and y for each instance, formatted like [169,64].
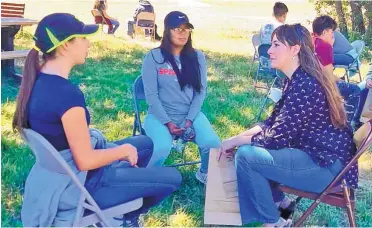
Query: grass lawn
[106,80]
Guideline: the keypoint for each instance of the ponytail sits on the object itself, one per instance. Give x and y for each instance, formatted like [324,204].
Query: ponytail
[32,66]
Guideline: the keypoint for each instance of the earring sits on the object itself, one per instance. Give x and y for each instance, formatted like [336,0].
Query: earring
[293,57]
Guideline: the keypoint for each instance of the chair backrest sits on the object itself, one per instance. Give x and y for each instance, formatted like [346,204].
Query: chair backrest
[147,16]
[12,9]
[138,95]
[256,41]
[46,155]
[358,45]
[138,89]
[262,50]
[96,13]
[49,158]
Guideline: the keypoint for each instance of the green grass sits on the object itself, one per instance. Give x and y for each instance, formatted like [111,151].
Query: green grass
[106,80]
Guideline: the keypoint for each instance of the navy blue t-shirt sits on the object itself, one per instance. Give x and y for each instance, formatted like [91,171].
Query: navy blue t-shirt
[50,98]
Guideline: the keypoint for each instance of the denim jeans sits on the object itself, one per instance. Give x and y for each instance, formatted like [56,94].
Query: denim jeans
[350,92]
[118,182]
[342,59]
[258,169]
[115,25]
[205,137]
[362,101]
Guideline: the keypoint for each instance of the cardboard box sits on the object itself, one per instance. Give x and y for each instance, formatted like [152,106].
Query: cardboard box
[367,110]
[221,200]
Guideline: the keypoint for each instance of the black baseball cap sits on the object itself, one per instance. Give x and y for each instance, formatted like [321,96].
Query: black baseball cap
[176,18]
[58,28]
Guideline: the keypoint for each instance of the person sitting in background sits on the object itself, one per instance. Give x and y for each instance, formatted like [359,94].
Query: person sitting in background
[365,86]
[299,144]
[143,6]
[101,6]
[280,11]
[343,51]
[51,105]
[323,29]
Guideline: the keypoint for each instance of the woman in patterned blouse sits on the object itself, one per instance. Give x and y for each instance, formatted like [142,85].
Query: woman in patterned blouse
[303,144]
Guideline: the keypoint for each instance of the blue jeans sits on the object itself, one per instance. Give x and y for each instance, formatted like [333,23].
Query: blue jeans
[342,59]
[118,182]
[115,25]
[362,101]
[205,137]
[258,169]
[350,92]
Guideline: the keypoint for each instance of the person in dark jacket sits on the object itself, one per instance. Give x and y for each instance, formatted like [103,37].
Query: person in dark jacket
[143,6]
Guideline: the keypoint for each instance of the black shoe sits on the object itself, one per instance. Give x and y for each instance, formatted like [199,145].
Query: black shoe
[287,213]
[128,222]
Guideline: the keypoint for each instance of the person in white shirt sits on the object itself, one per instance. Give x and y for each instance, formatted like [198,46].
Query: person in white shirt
[280,11]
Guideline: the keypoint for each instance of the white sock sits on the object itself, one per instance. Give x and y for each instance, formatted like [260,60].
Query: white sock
[284,203]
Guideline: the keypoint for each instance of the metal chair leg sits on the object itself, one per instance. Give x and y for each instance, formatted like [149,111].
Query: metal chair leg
[262,108]
[184,163]
[134,127]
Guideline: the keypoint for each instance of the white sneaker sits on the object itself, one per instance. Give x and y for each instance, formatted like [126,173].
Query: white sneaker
[280,223]
[202,177]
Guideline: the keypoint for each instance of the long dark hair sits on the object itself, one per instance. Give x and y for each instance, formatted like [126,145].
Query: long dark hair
[189,74]
[30,71]
[299,35]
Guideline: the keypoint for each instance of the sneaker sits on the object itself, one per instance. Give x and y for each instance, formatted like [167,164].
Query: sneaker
[280,223]
[134,222]
[202,177]
[125,222]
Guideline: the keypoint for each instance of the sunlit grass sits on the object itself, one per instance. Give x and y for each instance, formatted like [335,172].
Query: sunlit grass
[106,80]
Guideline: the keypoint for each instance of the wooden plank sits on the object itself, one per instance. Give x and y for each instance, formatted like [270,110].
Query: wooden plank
[11,15]
[12,12]
[221,201]
[222,218]
[13,4]
[12,8]
[14,54]
[10,21]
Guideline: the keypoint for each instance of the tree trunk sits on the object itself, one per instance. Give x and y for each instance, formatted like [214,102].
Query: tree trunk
[368,13]
[341,18]
[357,17]
[368,16]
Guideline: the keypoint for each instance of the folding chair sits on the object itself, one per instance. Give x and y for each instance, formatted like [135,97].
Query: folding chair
[49,158]
[145,23]
[264,71]
[99,18]
[337,193]
[139,95]
[273,94]
[358,45]
[256,41]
